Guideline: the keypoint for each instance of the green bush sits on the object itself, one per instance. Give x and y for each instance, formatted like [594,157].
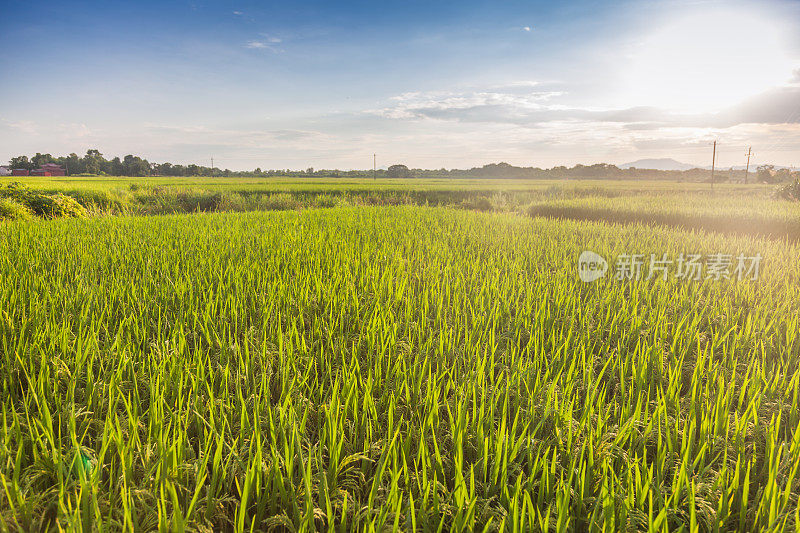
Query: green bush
[54,206]
[12,210]
[42,204]
[790,191]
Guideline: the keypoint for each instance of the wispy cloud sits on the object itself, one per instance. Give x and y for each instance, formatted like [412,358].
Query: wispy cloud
[479,106]
[24,126]
[507,105]
[526,28]
[236,137]
[238,13]
[268,42]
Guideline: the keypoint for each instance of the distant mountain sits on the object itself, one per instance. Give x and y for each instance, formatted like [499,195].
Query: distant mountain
[658,164]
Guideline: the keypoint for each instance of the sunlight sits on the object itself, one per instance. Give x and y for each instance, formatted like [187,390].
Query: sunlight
[707,60]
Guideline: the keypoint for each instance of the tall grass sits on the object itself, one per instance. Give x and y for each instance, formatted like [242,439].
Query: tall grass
[389,368]
[757,216]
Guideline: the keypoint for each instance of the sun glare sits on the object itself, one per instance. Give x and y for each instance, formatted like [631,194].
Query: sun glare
[708,60]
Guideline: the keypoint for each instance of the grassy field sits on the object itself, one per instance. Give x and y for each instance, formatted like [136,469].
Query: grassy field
[294,184]
[730,208]
[367,368]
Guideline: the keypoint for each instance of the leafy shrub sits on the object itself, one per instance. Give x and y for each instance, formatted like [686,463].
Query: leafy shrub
[12,210]
[55,206]
[790,191]
[42,204]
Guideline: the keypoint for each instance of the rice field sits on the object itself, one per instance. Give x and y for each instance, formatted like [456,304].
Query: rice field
[299,184]
[390,368]
[754,209]
[751,214]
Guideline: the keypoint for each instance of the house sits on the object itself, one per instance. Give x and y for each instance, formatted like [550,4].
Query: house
[40,172]
[5,171]
[52,168]
[19,172]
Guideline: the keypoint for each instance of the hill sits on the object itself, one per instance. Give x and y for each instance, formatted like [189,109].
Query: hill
[658,164]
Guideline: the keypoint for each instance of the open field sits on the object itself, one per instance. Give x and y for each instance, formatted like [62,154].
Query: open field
[294,184]
[363,368]
[373,267]
[728,208]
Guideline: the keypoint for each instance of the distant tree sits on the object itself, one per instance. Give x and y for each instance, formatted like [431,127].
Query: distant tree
[21,162]
[40,159]
[115,167]
[398,172]
[73,164]
[93,162]
[135,166]
[764,173]
[783,174]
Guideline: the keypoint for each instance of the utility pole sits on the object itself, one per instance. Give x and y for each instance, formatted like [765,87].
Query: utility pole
[747,168]
[374,168]
[713,162]
[212,165]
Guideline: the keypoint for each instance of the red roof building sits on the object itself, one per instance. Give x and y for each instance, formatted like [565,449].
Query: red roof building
[19,172]
[52,168]
[40,172]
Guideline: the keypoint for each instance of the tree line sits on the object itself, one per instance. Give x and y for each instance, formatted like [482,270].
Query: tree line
[95,163]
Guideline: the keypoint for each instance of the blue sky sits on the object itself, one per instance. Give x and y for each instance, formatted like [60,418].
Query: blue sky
[429,84]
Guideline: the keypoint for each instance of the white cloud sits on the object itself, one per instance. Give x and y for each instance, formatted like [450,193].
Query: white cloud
[238,13]
[267,43]
[507,104]
[24,126]
[479,106]
[526,28]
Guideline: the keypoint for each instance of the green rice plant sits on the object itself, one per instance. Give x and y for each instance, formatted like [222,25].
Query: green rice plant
[390,368]
[725,214]
[325,200]
[278,202]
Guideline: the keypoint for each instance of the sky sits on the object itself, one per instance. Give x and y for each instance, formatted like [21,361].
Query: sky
[451,84]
